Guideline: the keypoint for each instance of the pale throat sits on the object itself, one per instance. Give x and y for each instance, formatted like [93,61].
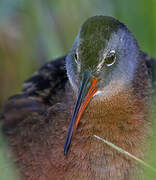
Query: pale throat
[111,90]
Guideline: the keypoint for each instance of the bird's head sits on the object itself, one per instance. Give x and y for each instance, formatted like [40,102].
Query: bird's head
[104,51]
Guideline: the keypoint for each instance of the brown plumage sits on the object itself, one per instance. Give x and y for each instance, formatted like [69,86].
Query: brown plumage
[36,121]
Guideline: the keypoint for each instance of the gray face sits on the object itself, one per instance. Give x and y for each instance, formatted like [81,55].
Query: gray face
[99,38]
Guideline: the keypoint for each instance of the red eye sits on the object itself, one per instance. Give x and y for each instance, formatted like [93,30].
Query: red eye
[75,56]
[110,59]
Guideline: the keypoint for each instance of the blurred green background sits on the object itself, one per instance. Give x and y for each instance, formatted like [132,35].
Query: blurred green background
[35,31]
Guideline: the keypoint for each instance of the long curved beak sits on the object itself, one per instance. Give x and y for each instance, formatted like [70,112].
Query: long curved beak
[88,87]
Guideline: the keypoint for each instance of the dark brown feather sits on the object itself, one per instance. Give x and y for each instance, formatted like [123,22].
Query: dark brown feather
[36,123]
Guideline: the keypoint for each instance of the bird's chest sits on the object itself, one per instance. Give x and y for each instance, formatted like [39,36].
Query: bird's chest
[115,118]
[120,120]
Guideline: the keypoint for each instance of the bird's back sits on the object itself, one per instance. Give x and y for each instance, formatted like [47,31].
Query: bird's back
[29,120]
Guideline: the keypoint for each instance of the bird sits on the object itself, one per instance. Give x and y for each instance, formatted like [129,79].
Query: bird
[102,87]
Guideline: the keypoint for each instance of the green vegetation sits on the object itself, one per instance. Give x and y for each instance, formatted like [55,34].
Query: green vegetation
[33,32]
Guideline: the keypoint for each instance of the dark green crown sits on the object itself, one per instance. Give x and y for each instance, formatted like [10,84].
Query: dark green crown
[94,35]
[98,37]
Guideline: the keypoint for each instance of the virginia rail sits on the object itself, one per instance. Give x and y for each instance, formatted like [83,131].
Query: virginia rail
[109,79]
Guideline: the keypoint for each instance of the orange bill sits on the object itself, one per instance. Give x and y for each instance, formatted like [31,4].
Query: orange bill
[92,91]
[88,87]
